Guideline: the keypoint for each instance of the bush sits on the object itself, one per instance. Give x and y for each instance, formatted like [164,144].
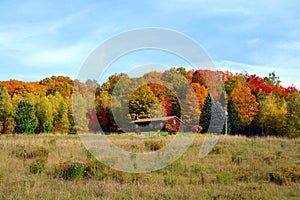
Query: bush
[70,170]
[40,152]
[53,141]
[94,167]
[236,158]
[286,175]
[24,153]
[153,145]
[38,166]
[217,149]
[170,180]
[21,152]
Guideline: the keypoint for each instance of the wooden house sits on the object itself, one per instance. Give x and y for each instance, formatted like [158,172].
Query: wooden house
[171,124]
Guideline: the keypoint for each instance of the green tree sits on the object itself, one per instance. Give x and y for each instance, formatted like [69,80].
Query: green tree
[233,117]
[293,114]
[206,112]
[80,110]
[217,118]
[273,115]
[26,121]
[44,114]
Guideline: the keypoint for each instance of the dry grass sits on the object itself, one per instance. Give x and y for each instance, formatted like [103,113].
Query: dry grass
[237,168]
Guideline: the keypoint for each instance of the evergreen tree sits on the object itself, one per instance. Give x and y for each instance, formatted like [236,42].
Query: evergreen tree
[206,113]
[233,117]
[26,121]
[217,118]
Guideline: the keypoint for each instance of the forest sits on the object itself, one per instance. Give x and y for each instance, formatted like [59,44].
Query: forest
[254,105]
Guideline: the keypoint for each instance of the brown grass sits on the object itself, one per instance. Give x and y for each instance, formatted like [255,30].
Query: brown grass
[237,168]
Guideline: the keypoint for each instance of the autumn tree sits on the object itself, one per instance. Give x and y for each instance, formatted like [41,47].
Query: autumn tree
[246,103]
[80,110]
[190,109]
[6,112]
[201,93]
[141,101]
[273,115]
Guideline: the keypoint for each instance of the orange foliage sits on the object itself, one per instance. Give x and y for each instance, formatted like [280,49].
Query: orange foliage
[245,102]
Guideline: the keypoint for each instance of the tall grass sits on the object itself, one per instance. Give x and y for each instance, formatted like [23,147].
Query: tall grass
[237,168]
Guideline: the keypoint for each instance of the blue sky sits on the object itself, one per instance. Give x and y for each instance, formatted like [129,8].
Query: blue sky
[45,38]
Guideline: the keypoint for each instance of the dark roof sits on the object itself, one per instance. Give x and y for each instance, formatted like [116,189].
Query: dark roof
[156,119]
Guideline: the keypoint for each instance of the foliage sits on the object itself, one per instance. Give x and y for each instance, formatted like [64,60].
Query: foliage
[246,103]
[25,118]
[255,104]
[206,113]
[38,166]
[273,115]
[70,169]
[233,117]
[153,145]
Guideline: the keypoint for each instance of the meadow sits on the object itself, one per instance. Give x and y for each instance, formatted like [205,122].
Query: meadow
[49,166]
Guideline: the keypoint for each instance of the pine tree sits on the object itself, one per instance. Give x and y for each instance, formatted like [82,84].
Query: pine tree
[26,121]
[234,121]
[217,118]
[206,113]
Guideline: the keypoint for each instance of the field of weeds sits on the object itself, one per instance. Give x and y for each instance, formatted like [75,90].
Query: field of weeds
[59,167]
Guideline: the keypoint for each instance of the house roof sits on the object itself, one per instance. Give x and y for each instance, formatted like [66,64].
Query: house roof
[156,119]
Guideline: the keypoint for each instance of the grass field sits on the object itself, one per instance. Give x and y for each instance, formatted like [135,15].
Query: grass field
[59,167]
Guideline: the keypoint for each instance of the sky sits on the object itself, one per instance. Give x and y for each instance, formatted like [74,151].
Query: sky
[39,39]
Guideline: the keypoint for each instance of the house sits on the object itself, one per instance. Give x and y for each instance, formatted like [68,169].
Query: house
[171,124]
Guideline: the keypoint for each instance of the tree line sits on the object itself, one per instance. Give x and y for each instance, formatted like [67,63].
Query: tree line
[255,105]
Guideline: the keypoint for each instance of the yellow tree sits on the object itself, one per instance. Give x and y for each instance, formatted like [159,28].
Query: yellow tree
[245,103]
[273,115]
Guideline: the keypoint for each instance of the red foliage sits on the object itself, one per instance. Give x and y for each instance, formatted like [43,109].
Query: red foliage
[93,122]
[102,117]
[167,106]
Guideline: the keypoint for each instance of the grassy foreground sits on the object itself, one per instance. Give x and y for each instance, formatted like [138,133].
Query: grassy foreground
[32,167]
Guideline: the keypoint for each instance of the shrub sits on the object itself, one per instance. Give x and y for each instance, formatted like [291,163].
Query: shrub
[236,158]
[170,180]
[53,141]
[286,175]
[217,149]
[94,167]
[38,166]
[24,153]
[153,145]
[41,152]
[70,169]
